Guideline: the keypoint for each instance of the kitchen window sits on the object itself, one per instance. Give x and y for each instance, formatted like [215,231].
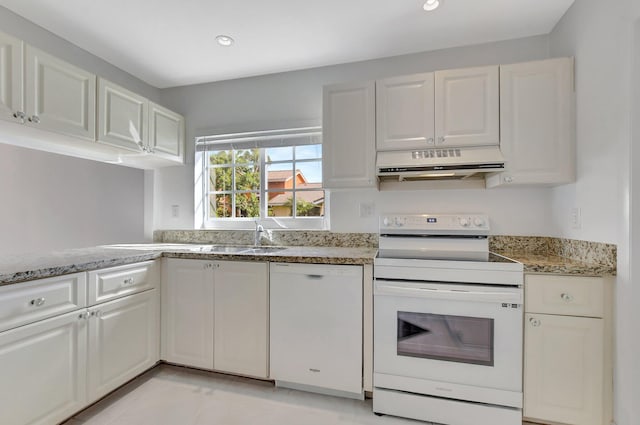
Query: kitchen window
[272,176]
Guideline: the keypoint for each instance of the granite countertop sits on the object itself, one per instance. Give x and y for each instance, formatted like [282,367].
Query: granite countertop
[555,264]
[15,269]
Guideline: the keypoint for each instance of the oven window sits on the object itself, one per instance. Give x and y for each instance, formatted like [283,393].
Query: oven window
[444,337]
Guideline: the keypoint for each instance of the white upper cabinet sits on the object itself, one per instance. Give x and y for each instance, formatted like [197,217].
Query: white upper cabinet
[467,107]
[123,117]
[405,112]
[60,97]
[537,123]
[348,133]
[11,101]
[166,133]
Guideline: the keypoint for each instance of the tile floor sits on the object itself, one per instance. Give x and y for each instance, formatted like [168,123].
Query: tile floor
[170,395]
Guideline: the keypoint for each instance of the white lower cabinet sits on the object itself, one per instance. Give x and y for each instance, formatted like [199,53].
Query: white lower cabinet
[241,311]
[567,361]
[215,315]
[52,367]
[316,327]
[43,371]
[123,341]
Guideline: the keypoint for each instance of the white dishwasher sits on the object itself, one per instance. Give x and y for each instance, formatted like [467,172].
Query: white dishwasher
[316,328]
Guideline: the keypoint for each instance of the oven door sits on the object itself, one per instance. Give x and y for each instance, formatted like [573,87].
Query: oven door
[469,335]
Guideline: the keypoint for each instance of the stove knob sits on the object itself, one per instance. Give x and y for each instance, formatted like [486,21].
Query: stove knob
[464,222]
[479,222]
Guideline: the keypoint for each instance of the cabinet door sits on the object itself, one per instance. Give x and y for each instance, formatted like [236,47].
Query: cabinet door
[43,370]
[241,322]
[166,133]
[348,133]
[563,364]
[536,122]
[59,96]
[467,107]
[316,325]
[187,312]
[405,112]
[123,117]
[123,341]
[11,73]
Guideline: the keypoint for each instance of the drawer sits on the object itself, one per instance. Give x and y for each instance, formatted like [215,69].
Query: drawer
[564,295]
[116,282]
[28,302]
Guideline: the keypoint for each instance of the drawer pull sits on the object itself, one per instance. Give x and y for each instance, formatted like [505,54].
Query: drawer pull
[534,322]
[38,302]
[128,281]
[566,297]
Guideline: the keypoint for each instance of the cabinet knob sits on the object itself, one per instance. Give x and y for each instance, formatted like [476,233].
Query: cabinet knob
[19,115]
[534,322]
[128,281]
[441,140]
[508,179]
[430,141]
[34,119]
[38,302]
[566,297]
[84,315]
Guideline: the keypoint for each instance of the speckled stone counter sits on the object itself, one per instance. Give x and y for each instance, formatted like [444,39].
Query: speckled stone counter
[15,269]
[548,263]
[294,254]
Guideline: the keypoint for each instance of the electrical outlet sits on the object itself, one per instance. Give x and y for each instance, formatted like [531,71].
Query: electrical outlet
[366,209]
[575,218]
[175,211]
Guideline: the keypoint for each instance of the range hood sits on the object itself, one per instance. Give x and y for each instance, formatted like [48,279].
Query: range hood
[439,163]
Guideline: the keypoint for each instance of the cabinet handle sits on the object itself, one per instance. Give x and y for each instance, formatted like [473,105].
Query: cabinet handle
[314,276]
[38,302]
[534,322]
[566,297]
[128,281]
[430,141]
[34,119]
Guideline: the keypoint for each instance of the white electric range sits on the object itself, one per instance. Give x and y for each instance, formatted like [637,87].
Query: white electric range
[447,322]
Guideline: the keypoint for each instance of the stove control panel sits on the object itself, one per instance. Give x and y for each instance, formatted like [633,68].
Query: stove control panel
[435,224]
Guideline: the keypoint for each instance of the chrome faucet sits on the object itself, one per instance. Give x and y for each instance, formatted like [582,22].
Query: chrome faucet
[257,237]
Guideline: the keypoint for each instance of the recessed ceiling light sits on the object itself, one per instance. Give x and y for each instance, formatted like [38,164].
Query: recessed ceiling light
[430,5]
[225,40]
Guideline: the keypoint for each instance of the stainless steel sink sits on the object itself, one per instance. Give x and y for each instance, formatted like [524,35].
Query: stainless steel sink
[228,249]
[236,249]
[264,249]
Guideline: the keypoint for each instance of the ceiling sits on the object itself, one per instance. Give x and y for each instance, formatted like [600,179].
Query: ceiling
[172,43]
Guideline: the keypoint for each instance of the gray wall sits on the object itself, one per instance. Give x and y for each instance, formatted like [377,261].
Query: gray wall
[40,38]
[53,202]
[600,35]
[275,100]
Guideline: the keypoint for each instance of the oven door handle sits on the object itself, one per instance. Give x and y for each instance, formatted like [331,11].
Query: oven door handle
[449,294]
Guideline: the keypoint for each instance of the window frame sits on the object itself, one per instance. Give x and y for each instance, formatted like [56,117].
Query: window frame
[226,142]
